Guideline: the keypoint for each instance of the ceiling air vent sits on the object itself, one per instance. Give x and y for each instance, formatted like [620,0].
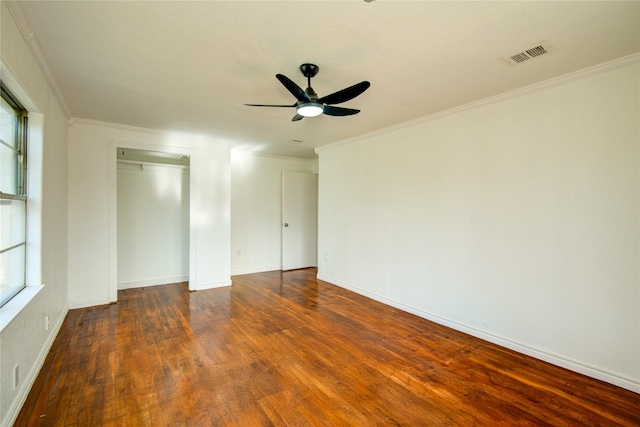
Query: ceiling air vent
[529,53]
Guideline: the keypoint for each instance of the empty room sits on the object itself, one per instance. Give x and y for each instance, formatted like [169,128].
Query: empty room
[323,213]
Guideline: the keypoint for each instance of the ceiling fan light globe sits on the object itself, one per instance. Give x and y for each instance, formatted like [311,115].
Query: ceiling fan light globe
[310,109]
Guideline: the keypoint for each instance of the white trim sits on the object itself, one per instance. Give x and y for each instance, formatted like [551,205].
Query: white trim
[538,353]
[89,303]
[111,145]
[272,156]
[38,55]
[15,305]
[256,270]
[153,282]
[135,164]
[153,146]
[112,223]
[23,393]
[536,87]
[149,131]
[205,286]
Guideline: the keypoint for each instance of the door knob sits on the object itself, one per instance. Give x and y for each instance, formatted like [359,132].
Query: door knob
[286,224]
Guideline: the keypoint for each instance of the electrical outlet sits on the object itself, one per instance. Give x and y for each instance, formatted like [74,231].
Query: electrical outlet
[326,257]
[16,376]
[238,252]
[46,323]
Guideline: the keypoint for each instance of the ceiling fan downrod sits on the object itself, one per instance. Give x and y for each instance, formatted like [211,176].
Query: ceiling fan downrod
[309,71]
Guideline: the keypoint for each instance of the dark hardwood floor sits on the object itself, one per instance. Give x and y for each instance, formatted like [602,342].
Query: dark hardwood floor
[285,349]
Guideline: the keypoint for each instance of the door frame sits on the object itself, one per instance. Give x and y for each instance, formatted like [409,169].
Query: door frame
[112,146]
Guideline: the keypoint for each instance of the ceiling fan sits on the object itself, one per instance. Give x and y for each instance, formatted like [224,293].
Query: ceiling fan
[309,105]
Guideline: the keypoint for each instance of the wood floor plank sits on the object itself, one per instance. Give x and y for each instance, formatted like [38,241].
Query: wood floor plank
[284,349]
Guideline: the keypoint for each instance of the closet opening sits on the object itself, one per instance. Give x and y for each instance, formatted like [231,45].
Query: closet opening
[152,218]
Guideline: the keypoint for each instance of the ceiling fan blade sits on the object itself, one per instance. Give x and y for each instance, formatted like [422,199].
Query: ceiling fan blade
[339,111]
[295,90]
[345,94]
[269,105]
[297,117]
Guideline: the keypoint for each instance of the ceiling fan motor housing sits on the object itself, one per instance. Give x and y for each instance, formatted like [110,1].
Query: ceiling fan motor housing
[309,70]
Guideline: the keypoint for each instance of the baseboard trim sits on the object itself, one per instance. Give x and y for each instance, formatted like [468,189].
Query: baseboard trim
[255,270]
[215,285]
[88,303]
[21,397]
[152,282]
[555,359]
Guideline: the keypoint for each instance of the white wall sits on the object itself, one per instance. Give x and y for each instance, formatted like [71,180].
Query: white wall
[256,210]
[93,207]
[24,341]
[153,224]
[516,221]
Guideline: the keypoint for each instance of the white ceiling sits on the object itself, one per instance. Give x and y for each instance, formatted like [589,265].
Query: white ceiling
[189,66]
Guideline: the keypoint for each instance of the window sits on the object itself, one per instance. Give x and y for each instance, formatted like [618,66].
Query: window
[13,195]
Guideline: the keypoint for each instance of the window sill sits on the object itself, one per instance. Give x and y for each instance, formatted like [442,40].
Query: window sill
[11,309]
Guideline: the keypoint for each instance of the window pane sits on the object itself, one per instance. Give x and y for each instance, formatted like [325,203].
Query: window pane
[13,136]
[12,222]
[12,268]
[8,124]
[8,175]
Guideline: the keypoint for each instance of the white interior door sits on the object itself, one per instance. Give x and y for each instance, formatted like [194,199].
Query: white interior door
[299,220]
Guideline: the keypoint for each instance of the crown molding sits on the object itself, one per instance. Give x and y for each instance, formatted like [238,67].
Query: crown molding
[99,123]
[595,70]
[271,156]
[39,56]
[148,131]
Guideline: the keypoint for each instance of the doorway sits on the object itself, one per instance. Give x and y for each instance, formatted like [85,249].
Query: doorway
[152,218]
